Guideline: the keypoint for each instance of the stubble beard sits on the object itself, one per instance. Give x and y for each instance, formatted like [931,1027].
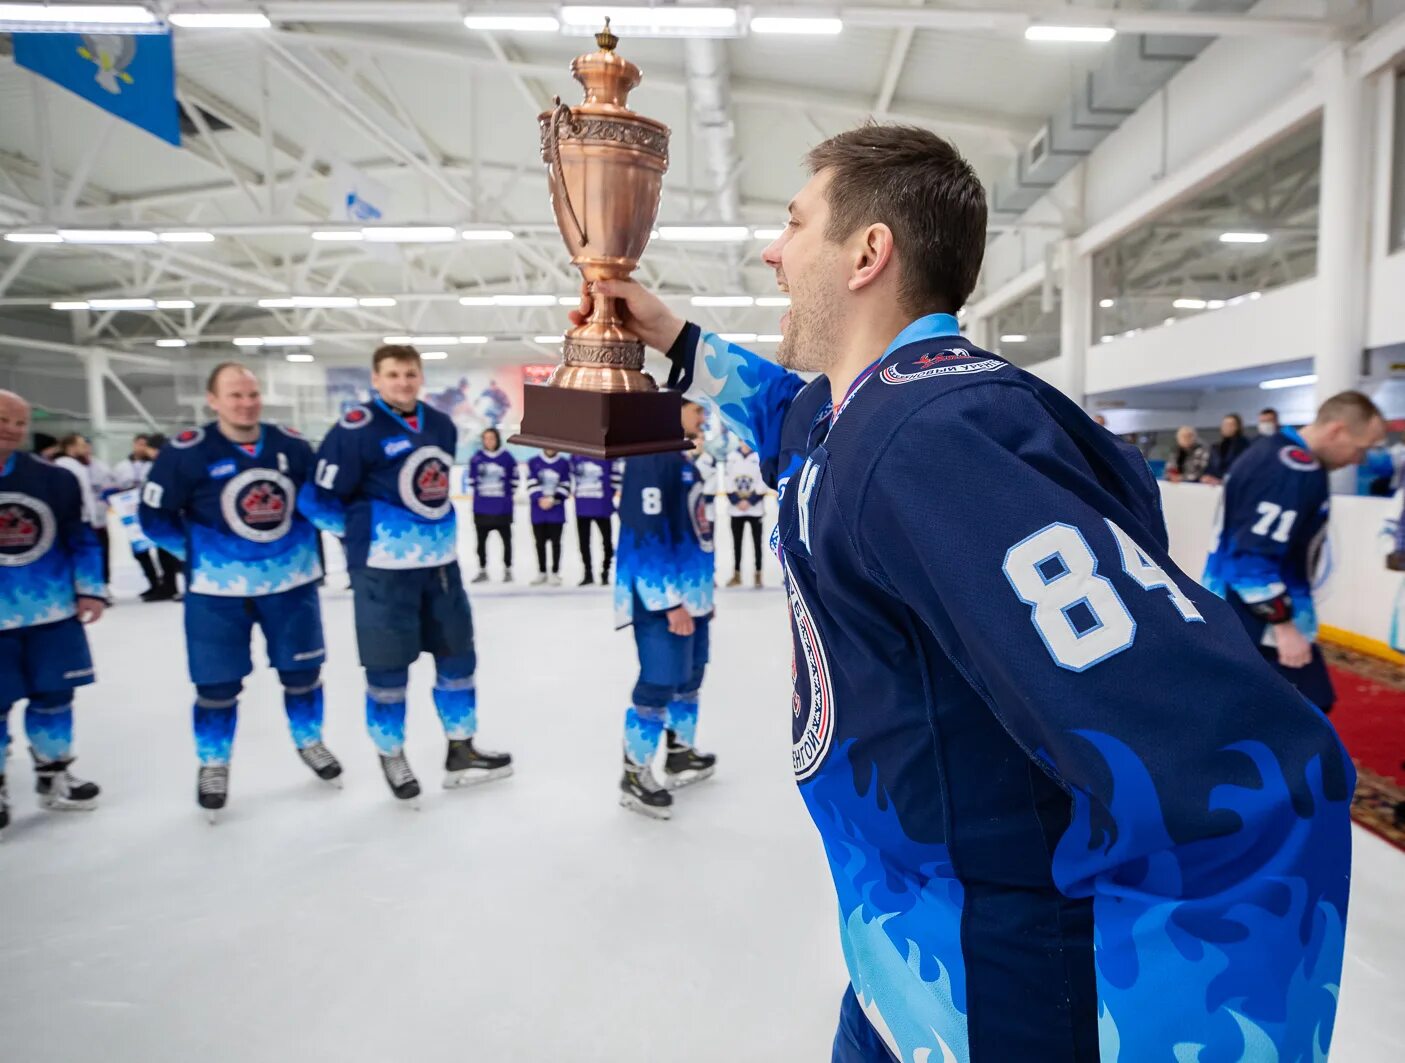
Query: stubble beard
[808,335]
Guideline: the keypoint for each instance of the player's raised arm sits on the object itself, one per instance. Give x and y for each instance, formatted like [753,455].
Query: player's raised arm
[1209,819]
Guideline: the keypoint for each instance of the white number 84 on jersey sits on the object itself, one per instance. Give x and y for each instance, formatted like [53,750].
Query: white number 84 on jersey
[1078,613]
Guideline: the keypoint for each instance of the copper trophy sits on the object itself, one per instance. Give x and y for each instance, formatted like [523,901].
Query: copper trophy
[605,167]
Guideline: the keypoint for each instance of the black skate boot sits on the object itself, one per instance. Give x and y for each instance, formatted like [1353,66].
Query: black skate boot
[684,765]
[400,778]
[61,792]
[588,580]
[212,788]
[4,806]
[325,766]
[467,766]
[640,792]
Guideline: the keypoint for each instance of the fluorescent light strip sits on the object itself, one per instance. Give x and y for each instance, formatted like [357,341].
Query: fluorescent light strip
[338,235]
[722,300]
[375,301]
[1107,304]
[219,20]
[434,356]
[487,234]
[1189,304]
[282,303]
[172,343]
[187,238]
[1071,34]
[513,23]
[810,27]
[47,18]
[1014,337]
[1243,238]
[410,234]
[766,234]
[737,337]
[774,338]
[568,300]
[108,236]
[547,339]
[78,304]
[34,238]
[175,304]
[773,300]
[704,233]
[299,358]
[122,304]
[248,341]
[1288,382]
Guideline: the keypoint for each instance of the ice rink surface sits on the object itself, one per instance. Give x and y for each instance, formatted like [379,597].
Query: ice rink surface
[531,919]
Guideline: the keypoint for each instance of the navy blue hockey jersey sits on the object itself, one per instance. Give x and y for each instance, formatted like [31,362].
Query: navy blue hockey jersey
[1273,522]
[230,512]
[383,485]
[665,549]
[49,556]
[1068,810]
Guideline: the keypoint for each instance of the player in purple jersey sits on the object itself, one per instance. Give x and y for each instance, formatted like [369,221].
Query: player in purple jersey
[595,484]
[1070,812]
[548,488]
[223,499]
[493,479]
[50,585]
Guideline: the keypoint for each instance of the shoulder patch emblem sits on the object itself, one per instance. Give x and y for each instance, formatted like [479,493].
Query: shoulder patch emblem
[954,361]
[189,438]
[292,433]
[1298,459]
[356,417]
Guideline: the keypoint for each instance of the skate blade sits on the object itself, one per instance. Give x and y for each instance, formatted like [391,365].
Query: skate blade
[335,782]
[212,816]
[635,805]
[60,804]
[459,780]
[686,778]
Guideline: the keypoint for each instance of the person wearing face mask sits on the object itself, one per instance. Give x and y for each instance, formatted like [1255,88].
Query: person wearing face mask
[1273,521]
[222,498]
[381,483]
[1268,421]
[1227,451]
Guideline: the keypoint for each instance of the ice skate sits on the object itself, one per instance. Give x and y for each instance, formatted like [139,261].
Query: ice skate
[640,792]
[684,766]
[323,764]
[212,789]
[400,778]
[588,580]
[4,807]
[61,792]
[482,577]
[466,766]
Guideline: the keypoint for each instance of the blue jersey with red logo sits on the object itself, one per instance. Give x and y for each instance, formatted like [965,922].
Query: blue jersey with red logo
[1273,521]
[49,555]
[664,555]
[1070,813]
[229,511]
[382,482]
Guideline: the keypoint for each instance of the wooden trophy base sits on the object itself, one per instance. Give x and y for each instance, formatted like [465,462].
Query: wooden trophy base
[601,425]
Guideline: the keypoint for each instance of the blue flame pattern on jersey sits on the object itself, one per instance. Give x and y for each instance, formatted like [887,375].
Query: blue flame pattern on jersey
[951,725]
[381,481]
[230,512]
[1273,520]
[665,548]
[49,554]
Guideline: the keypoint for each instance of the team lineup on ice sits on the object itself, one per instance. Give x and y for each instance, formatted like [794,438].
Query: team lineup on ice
[1050,837]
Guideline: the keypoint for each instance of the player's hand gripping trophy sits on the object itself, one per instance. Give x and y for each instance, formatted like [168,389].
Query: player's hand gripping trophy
[605,167]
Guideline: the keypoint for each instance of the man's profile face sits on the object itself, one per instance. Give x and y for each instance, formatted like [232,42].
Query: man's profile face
[1342,446]
[236,399]
[812,270]
[398,381]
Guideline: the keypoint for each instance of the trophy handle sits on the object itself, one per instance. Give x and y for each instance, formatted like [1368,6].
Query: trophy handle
[554,148]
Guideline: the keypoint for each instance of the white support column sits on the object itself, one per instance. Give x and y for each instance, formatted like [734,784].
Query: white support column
[1075,320]
[96,368]
[1343,243]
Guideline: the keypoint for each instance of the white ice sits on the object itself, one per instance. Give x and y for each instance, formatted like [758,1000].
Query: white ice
[528,920]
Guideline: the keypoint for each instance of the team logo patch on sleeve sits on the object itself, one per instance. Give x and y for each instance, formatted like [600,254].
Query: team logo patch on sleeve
[26,529]
[189,438]
[424,483]
[356,417]
[954,361]
[258,505]
[1298,459]
[812,704]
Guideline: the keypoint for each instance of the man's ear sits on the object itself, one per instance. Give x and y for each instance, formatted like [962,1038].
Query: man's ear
[873,253]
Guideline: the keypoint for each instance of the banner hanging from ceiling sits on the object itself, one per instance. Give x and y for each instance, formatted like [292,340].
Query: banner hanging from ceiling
[132,76]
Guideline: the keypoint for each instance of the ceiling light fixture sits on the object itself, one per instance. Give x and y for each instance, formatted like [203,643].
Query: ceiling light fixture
[375,301]
[172,343]
[1014,337]
[809,27]
[51,18]
[773,300]
[219,20]
[546,339]
[72,304]
[122,304]
[248,341]
[108,236]
[1243,238]
[34,238]
[1288,382]
[434,356]
[300,357]
[182,236]
[488,234]
[766,234]
[513,23]
[1107,304]
[175,304]
[338,235]
[1189,304]
[1070,34]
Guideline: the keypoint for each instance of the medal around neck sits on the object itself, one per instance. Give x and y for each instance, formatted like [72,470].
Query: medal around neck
[605,167]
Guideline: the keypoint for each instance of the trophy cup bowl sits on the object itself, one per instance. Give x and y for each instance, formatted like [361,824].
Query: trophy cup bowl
[605,167]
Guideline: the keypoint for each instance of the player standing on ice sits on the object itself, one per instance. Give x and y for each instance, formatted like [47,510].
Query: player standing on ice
[382,483]
[1018,728]
[223,499]
[663,587]
[50,585]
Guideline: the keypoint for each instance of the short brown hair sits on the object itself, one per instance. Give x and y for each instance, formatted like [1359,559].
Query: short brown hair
[918,185]
[1351,407]
[394,352]
[212,381]
[68,441]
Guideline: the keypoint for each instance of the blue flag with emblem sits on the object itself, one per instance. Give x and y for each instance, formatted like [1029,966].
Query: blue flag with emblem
[131,75]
